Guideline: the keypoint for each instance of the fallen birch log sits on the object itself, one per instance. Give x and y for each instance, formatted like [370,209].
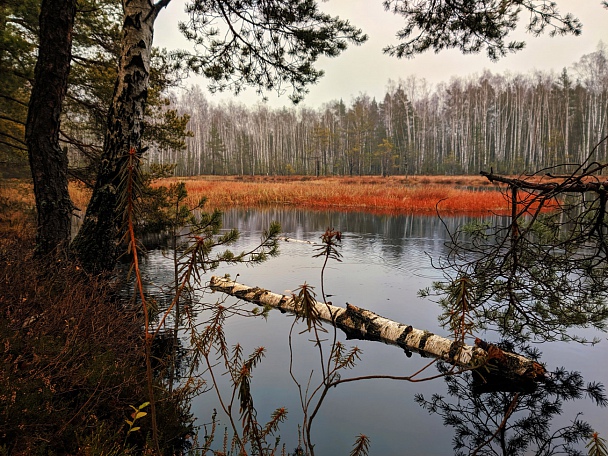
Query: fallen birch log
[365,324]
[288,239]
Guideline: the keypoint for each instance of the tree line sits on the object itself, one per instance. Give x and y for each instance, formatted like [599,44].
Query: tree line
[82,79]
[508,122]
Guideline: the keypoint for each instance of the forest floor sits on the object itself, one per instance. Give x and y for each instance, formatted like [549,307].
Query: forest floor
[71,364]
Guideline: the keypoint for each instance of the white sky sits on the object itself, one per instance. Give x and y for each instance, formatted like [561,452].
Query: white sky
[365,69]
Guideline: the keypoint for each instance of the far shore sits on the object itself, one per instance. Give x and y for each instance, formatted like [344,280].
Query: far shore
[375,194]
[394,195]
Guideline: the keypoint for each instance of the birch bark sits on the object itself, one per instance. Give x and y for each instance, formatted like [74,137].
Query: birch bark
[96,244]
[368,325]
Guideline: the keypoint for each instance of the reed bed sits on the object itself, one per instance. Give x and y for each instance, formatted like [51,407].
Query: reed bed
[397,195]
[472,195]
[18,206]
[19,191]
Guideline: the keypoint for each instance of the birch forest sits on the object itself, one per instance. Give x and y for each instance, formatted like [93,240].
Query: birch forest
[511,123]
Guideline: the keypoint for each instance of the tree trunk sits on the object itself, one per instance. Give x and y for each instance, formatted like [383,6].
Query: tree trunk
[363,324]
[97,242]
[48,163]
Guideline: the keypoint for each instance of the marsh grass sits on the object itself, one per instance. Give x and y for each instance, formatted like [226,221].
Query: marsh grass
[394,195]
[18,207]
[473,195]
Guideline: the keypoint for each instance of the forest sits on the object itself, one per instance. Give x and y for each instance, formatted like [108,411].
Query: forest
[510,122]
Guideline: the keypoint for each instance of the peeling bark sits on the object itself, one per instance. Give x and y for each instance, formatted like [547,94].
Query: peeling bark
[97,242]
[365,324]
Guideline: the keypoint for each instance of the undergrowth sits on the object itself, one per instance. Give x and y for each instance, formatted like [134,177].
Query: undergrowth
[72,362]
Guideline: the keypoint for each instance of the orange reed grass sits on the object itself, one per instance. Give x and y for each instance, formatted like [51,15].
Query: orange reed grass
[18,205]
[473,195]
[19,191]
[365,194]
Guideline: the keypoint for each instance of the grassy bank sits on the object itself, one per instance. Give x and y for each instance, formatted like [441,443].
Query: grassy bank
[473,195]
[374,194]
[72,357]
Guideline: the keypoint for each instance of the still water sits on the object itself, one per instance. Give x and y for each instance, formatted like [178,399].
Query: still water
[386,260]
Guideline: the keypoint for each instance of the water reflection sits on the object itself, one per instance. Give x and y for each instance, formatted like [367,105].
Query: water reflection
[512,423]
[405,242]
[386,260]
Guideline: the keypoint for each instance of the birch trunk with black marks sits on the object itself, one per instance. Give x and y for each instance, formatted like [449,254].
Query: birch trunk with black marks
[48,162]
[97,242]
[364,324]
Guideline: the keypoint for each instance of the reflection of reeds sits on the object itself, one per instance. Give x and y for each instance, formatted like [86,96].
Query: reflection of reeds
[368,194]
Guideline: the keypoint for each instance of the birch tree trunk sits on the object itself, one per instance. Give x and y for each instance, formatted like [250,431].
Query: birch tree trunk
[367,325]
[97,242]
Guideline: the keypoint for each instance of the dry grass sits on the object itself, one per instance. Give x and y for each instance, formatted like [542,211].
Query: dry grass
[393,195]
[80,195]
[18,207]
[473,195]
[71,363]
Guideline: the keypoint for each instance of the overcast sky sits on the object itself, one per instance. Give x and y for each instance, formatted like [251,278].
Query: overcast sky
[365,69]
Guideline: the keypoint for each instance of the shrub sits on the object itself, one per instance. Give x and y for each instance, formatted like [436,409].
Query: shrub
[72,361]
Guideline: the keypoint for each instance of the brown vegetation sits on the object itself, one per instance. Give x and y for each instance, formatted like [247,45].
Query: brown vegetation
[17,205]
[72,358]
[393,195]
[374,194]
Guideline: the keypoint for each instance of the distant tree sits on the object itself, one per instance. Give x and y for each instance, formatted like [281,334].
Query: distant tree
[216,150]
[385,154]
[399,122]
[320,142]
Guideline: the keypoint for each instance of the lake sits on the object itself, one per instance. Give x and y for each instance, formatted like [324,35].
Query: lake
[386,260]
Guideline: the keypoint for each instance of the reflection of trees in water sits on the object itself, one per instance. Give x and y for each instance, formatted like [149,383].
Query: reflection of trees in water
[476,416]
[392,238]
[518,421]
[304,221]
[538,275]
